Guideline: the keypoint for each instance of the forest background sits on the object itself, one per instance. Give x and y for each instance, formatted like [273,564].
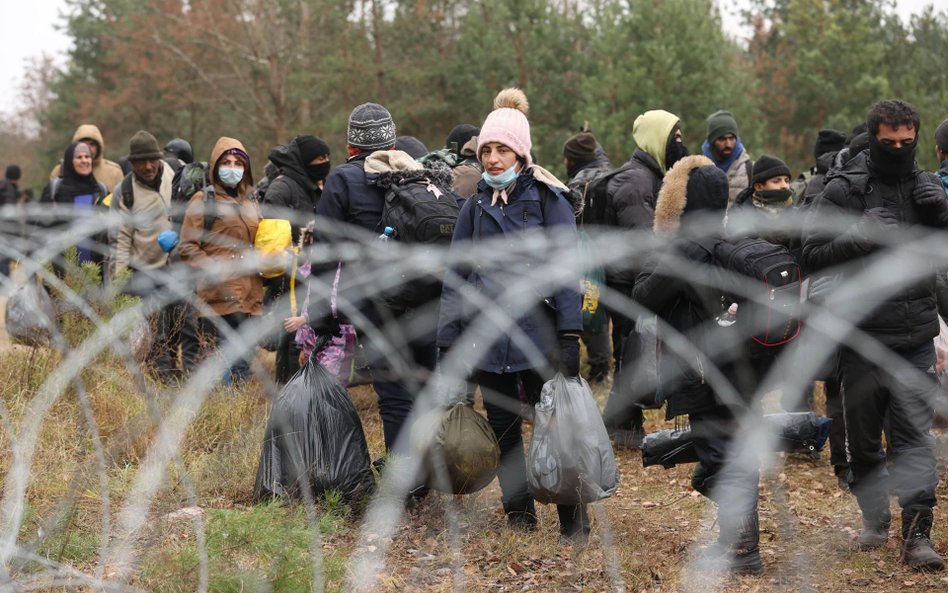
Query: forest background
[265,70]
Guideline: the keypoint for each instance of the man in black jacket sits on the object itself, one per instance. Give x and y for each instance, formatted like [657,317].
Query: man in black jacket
[630,205]
[886,189]
[9,196]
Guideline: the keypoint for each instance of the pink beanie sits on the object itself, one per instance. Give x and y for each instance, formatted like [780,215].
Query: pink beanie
[508,125]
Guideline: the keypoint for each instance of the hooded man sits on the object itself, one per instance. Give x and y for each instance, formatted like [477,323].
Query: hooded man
[105,171]
[302,166]
[723,146]
[631,194]
[888,193]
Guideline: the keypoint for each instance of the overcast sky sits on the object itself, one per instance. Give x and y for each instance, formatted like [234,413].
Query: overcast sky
[30,31]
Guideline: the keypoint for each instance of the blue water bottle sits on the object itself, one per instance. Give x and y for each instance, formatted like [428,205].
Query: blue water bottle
[386,234]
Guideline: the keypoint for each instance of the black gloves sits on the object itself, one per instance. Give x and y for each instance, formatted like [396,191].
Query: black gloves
[569,354]
[873,223]
[929,195]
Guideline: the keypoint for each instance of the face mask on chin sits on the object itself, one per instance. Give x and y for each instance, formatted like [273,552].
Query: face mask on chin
[890,162]
[500,181]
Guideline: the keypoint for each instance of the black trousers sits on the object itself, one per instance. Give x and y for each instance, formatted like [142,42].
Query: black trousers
[901,401]
[501,395]
[722,475]
[624,406]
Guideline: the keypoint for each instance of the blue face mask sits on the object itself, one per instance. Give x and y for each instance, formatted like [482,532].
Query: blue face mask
[500,181]
[230,177]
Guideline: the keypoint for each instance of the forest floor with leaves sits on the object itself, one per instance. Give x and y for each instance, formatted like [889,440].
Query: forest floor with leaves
[642,538]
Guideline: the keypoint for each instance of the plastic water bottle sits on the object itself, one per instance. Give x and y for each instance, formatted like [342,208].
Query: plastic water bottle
[728,319]
[386,234]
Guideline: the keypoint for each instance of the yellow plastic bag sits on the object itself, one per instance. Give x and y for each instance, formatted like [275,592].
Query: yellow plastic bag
[274,244]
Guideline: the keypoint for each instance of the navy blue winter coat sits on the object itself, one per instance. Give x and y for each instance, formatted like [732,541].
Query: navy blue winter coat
[347,197]
[531,205]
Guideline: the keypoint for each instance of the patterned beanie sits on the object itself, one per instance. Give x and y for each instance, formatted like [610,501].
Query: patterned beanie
[371,127]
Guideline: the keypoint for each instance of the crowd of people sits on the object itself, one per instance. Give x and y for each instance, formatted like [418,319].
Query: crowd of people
[512,323]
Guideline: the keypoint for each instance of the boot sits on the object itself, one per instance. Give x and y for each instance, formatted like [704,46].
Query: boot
[917,550]
[875,530]
[739,542]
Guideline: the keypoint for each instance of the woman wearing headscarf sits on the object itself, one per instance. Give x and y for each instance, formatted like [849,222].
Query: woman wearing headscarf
[514,198]
[217,237]
[77,196]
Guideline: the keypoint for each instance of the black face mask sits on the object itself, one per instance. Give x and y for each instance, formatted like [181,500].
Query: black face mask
[674,152]
[774,196]
[318,172]
[889,162]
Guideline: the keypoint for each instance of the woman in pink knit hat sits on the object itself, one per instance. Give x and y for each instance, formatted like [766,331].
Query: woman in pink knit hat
[515,198]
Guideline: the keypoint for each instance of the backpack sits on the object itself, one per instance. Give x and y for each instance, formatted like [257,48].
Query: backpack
[597,196]
[187,181]
[770,318]
[421,213]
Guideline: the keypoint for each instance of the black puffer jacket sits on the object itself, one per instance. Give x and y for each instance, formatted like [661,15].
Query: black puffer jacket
[817,181]
[631,205]
[683,300]
[291,190]
[908,318]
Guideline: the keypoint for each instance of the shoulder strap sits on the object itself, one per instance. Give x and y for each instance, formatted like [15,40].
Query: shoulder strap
[128,196]
[749,165]
[54,187]
[210,210]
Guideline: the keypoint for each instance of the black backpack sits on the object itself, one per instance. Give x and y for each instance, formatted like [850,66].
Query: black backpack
[771,318]
[422,213]
[597,196]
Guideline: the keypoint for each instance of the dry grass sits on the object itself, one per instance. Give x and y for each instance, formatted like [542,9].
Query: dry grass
[653,521]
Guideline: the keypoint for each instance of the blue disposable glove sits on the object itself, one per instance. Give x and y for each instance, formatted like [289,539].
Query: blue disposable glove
[168,240]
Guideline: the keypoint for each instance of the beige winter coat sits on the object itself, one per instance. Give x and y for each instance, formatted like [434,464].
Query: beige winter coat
[136,242]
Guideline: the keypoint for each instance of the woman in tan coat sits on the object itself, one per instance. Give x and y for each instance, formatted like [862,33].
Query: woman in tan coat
[217,238]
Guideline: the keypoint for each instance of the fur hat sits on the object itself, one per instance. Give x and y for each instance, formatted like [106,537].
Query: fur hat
[370,128]
[508,124]
[693,183]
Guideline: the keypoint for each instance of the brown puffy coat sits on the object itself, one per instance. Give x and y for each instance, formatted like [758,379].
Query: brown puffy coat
[223,246]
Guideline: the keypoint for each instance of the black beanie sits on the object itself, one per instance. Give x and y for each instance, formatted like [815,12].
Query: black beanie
[461,135]
[941,136]
[768,167]
[828,140]
[706,189]
[13,172]
[311,147]
[413,146]
[581,148]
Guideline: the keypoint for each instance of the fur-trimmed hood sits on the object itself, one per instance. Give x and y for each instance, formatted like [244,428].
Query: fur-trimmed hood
[395,166]
[682,191]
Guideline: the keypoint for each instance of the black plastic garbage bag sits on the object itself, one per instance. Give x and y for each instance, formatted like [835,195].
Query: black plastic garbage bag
[30,315]
[800,431]
[314,434]
[668,448]
[460,451]
[796,431]
[571,459]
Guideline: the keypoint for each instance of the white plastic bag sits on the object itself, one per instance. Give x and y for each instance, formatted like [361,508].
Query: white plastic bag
[30,315]
[571,460]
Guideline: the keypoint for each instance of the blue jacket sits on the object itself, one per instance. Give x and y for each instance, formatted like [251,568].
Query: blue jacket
[347,197]
[531,205]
